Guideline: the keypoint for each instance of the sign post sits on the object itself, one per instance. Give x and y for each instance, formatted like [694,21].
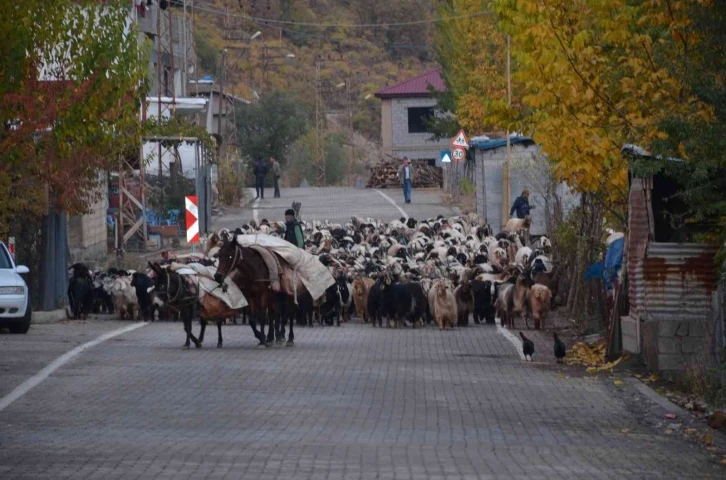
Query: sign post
[192,216]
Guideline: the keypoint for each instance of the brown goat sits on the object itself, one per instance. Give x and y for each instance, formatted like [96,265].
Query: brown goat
[444,303]
[361,288]
[549,279]
[464,303]
[539,299]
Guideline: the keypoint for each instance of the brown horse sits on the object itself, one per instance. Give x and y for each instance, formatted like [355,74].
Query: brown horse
[176,294]
[253,278]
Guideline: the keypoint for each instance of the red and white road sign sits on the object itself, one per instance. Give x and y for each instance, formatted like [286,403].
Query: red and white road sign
[458,153]
[11,246]
[192,218]
[460,140]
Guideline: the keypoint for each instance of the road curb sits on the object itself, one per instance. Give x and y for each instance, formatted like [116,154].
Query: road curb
[49,316]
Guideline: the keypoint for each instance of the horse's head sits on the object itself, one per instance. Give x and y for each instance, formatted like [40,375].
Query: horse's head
[229,254]
[161,280]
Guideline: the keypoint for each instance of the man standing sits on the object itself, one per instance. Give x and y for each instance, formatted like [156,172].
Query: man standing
[521,205]
[276,174]
[405,174]
[260,170]
[293,230]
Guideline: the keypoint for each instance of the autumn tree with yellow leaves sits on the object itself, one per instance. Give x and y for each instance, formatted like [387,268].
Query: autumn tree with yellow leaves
[587,77]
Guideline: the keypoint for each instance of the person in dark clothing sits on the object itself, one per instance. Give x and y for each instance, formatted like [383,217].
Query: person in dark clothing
[293,230]
[521,205]
[260,170]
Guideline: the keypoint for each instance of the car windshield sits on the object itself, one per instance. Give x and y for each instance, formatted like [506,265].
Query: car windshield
[4,258]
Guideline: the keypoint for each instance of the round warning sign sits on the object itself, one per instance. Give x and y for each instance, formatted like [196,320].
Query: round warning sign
[459,154]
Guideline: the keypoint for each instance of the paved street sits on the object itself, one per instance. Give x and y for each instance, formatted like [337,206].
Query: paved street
[338,204]
[344,403]
[349,402]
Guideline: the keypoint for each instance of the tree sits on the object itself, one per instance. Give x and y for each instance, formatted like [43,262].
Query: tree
[701,141]
[269,127]
[70,78]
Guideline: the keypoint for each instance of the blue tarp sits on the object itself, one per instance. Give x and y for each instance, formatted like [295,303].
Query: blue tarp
[608,269]
[613,261]
[498,143]
[594,271]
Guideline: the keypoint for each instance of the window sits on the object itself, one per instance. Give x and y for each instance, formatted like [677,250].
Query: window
[417,118]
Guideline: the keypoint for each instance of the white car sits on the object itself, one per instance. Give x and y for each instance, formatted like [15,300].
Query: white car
[15,312]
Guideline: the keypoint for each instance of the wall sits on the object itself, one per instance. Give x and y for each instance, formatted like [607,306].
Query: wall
[412,145]
[488,180]
[87,234]
[674,283]
[386,126]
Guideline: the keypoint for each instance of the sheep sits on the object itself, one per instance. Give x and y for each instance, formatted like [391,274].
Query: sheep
[444,305]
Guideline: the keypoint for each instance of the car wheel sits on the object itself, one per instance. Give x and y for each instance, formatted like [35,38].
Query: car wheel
[22,325]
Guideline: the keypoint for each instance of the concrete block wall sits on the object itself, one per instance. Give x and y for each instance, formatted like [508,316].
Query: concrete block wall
[631,334]
[671,345]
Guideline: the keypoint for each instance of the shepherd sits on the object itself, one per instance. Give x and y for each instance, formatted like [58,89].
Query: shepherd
[521,205]
[293,230]
[405,174]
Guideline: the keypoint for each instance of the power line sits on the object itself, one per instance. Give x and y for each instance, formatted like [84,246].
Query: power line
[343,25]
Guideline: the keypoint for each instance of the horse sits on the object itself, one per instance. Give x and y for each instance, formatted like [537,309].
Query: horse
[176,294]
[253,278]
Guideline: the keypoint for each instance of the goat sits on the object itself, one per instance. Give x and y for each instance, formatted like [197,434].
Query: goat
[444,305]
[464,303]
[539,299]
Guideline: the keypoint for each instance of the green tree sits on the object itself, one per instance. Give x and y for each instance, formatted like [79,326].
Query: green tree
[269,127]
[70,78]
[700,141]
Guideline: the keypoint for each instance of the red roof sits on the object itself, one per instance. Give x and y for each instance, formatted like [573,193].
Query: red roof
[415,87]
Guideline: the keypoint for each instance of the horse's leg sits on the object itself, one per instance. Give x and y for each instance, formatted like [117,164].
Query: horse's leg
[203,323]
[291,337]
[280,318]
[260,336]
[219,333]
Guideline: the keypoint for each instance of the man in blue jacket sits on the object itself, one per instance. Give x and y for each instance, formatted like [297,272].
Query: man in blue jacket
[260,170]
[521,205]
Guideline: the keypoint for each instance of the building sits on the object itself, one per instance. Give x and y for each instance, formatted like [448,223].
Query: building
[490,155]
[671,278]
[404,110]
[207,88]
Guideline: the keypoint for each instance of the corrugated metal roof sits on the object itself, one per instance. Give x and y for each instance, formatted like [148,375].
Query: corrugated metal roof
[498,143]
[415,87]
[675,281]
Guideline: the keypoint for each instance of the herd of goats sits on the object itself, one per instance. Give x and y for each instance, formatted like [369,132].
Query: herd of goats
[442,270]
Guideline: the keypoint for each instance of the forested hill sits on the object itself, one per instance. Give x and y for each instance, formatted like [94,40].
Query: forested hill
[367,58]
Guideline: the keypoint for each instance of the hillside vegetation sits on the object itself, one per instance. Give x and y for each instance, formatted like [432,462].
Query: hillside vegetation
[366,59]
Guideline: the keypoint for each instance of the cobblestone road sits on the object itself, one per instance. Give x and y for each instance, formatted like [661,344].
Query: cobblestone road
[350,402]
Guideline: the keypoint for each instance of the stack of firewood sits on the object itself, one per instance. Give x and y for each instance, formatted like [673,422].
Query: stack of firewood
[383,174]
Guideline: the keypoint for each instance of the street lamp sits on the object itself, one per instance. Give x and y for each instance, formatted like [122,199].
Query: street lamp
[256,34]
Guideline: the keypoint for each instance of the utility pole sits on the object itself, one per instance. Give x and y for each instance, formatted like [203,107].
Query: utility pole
[319,126]
[506,193]
[221,94]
